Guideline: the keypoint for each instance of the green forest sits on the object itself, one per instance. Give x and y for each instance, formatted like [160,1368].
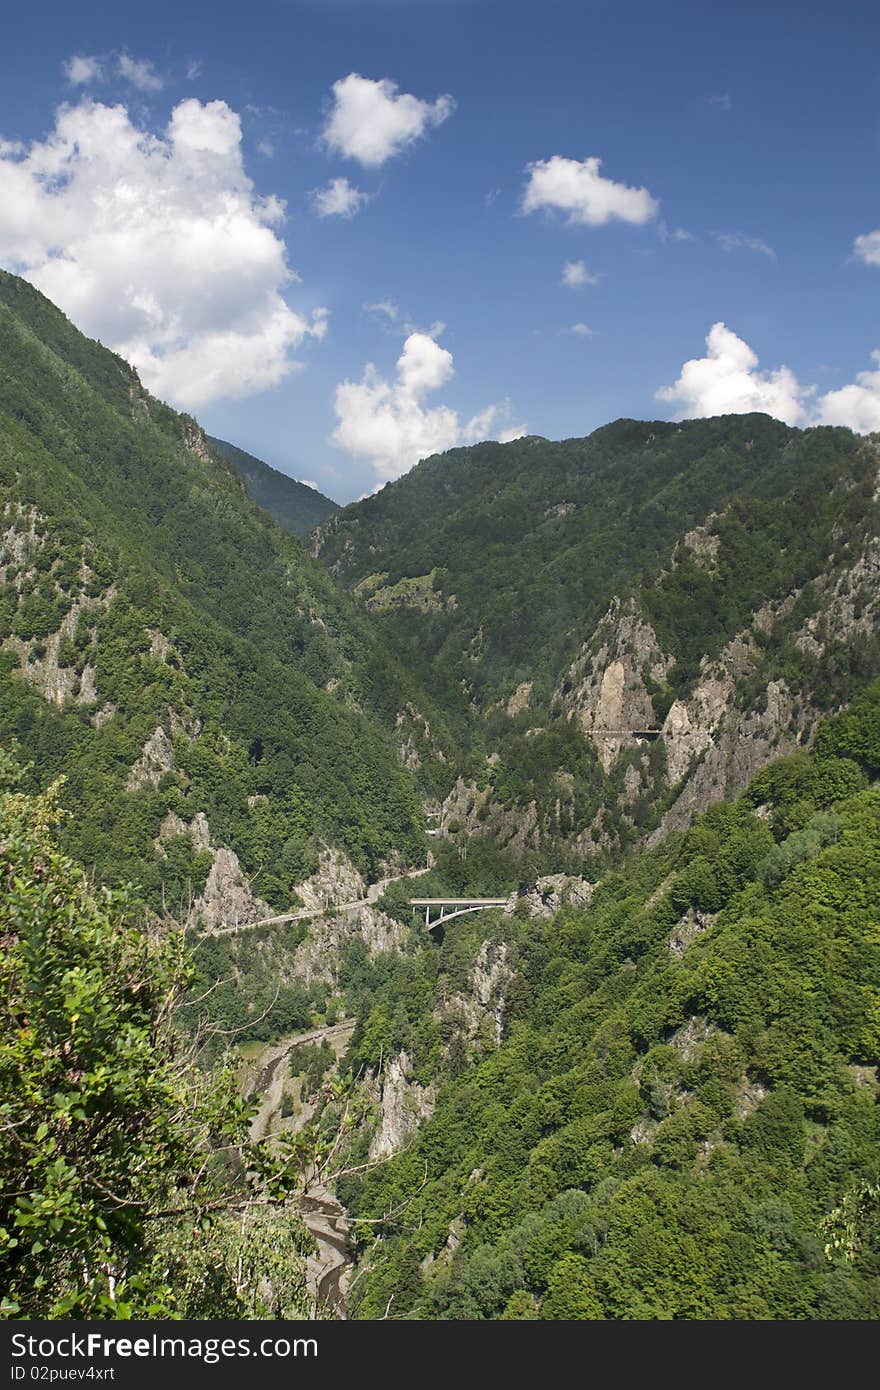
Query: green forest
[658,1136]
[294,505]
[168,600]
[648,1087]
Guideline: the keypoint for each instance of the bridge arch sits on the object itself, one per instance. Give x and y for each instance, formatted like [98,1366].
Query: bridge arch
[440,910]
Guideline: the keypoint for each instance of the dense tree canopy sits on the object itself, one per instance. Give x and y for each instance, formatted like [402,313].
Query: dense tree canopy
[663,1131]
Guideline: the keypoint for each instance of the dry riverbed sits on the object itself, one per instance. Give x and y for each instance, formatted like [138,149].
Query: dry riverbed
[267,1073]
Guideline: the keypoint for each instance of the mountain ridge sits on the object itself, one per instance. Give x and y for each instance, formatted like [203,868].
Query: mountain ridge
[170,645]
[294,505]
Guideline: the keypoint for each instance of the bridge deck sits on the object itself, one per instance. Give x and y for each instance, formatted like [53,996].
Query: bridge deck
[457,902]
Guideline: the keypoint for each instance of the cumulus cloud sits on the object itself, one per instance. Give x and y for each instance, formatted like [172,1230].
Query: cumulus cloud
[575,275]
[856,405]
[741,241]
[159,246]
[388,424]
[139,72]
[338,199]
[581,330]
[727,381]
[577,188]
[373,121]
[82,69]
[867,247]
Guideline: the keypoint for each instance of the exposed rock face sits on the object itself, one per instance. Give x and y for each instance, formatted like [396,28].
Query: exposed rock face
[749,1094]
[156,759]
[470,810]
[481,1005]
[199,832]
[227,899]
[172,828]
[520,698]
[20,541]
[692,924]
[336,881]
[689,1038]
[643,1131]
[850,603]
[733,753]
[552,892]
[317,957]
[403,1105]
[605,688]
[195,440]
[702,544]
[413,733]
[39,660]
[454,1235]
[477,1017]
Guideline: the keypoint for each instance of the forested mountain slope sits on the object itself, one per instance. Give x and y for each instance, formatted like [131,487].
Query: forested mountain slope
[203,686]
[664,1093]
[622,628]
[296,507]
[630,680]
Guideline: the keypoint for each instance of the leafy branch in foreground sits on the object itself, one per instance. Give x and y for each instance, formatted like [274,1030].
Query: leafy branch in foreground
[854,1224]
[130,1186]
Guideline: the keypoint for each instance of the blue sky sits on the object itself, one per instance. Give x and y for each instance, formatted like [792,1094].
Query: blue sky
[739,185]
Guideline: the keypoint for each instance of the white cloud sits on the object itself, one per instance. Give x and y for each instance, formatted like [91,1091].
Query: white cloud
[582,330]
[667,233]
[856,405]
[373,121]
[338,199]
[389,425]
[867,247]
[722,101]
[385,307]
[193,69]
[82,69]
[575,275]
[307,482]
[740,241]
[266,148]
[139,72]
[577,188]
[727,382]
[159,246]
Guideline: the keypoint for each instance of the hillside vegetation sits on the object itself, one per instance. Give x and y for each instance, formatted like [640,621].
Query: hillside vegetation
[528,542]
[628,683]
[714,581]
[294,505]
[167,646]
[130,1186]
[686,1084]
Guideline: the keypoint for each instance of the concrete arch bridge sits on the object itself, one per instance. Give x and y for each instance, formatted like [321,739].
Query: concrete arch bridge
[440,910]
